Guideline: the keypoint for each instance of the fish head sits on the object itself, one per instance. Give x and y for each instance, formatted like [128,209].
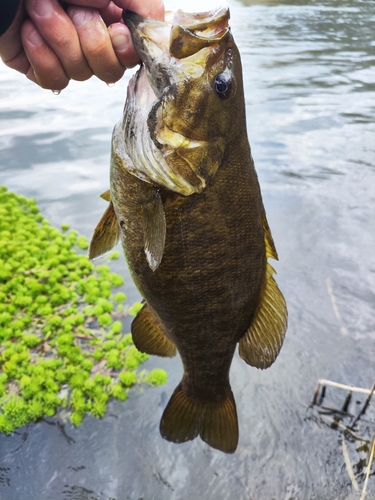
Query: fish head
[185,105]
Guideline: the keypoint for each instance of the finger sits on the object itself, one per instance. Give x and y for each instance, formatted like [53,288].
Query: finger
[60,35]
[31,76]
[46,69]
[11,49]
[96,44]
[111,14]
[19,63]
[123,45]
[97,4]
[151,9]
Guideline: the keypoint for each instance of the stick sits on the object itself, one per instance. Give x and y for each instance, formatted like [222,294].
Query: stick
[347,402]
[329,420]
[348,464]
[316,393]
[333,300]
[368,470]
[322,381]
[364,408]
[330,410]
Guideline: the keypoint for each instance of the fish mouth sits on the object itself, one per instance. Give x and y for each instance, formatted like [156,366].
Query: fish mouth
[152,144]
[169,49]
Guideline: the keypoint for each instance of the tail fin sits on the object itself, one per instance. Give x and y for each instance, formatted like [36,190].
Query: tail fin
[216,423]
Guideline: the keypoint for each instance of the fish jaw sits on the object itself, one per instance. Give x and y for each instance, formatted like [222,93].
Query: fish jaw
[169,128]
[173,49]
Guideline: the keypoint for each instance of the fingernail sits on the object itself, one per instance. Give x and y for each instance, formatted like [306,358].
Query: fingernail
[81,16]
[34,37]
[120,42]
[43,8]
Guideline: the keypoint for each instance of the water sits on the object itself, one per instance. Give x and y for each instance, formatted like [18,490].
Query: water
[309,71]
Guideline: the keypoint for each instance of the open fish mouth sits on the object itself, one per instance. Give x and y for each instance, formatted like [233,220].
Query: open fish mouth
[156,141]
[166,48]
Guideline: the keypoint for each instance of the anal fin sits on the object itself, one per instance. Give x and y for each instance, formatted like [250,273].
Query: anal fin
[216,423]
[149,337]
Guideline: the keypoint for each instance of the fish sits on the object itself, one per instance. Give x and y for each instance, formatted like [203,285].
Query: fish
[185,201]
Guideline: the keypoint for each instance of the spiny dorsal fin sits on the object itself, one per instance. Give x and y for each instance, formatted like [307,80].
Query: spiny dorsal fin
[106,195]
[262,342]
[154,230]
[106,234]
[268,240]
[216,423]
[149,337]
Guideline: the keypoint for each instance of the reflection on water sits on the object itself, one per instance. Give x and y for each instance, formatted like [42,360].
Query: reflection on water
[309,71]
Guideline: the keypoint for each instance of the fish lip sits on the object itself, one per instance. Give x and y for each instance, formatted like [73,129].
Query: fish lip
[137,25]
[130,17]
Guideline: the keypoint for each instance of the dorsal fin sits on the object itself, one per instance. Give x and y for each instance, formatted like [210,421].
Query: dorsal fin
[262,342]
[268,240]
[106,234]
[106,195]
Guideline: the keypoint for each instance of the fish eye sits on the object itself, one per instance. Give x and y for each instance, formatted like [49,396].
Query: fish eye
[223,85]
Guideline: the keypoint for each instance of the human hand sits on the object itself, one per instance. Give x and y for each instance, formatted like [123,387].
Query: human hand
[54,45]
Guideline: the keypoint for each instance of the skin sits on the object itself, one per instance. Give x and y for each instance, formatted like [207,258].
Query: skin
[51,45]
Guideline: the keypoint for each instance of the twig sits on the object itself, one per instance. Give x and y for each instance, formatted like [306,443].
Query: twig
[347,402]
[330,410]
[364,493]
[333,300]
[364,408]
[330,421]
[319,401]
[322,381]
[348,464]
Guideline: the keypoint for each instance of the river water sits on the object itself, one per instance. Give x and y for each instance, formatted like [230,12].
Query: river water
[309,72]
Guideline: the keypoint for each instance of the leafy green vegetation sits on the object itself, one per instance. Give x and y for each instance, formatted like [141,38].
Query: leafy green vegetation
[61,340]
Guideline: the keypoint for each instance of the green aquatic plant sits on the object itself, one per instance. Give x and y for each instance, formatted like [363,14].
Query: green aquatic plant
[61,338]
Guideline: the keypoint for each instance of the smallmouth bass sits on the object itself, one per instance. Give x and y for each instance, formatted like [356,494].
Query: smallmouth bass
[185,201]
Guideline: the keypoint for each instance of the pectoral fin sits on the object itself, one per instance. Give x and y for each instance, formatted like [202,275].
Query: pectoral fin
[154,231]
[149,337]
[106,234]
[262,342]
